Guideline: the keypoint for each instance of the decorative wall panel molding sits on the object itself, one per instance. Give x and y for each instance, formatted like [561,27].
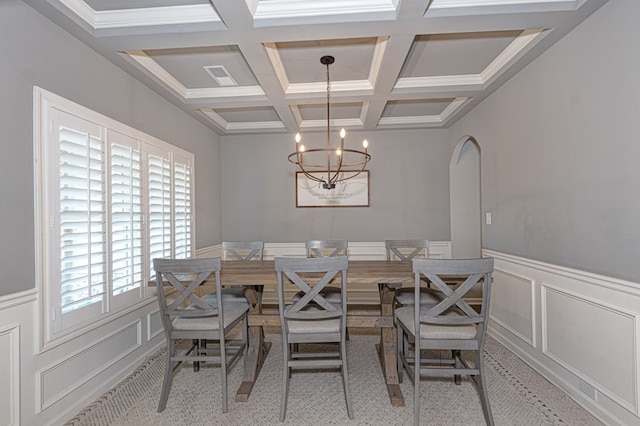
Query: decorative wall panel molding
[588,326]
[68,374]
[513,304]
[9,374]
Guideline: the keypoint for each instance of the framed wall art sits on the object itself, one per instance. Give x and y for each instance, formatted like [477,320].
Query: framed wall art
[353,192]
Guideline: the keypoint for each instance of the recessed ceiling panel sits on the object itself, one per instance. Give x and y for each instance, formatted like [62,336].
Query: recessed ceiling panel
[188,65]
[247,115]
[415,108]
[455,54]
[301,59]
[338,111]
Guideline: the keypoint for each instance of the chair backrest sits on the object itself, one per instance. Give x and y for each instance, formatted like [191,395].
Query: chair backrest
[185,276]
[242,250]
[326,248]
[453,309]
[311,276]
[406,250]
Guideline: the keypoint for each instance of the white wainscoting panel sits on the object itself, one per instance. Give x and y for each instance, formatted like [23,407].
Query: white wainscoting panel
[154,324]
[51,386]
[9,374]
[68,374]
[513,304]
[580,330]
[583,343]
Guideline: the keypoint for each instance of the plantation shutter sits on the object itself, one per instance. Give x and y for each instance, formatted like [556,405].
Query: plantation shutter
[126,218]
[81,219]
[182,207]
[159,207]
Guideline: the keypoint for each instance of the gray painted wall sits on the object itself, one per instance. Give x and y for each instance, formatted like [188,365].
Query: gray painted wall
[409,189]
[560,150]
[34,51]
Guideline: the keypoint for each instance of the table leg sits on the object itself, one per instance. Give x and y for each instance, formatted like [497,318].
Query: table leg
[257,349]
[387,349]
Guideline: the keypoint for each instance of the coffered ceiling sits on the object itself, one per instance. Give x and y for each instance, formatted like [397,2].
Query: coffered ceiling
[253,66]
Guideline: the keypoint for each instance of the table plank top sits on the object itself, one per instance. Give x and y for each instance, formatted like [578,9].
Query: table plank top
[360,271]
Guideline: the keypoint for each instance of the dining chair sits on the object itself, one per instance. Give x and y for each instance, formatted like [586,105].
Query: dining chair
[450,326]
[312,319]
[185,316]
[406,251]
[237,250]
[326,248]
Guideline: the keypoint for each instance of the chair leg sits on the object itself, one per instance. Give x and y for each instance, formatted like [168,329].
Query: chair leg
[457,378]
[416,378]
[196,364]
[168,377]
[345,378]
[482,389]
[285,379]
[400,353]
[245,341]
[223,368]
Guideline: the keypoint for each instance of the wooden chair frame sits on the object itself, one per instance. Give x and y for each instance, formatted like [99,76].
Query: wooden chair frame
[190,317]
[451,325]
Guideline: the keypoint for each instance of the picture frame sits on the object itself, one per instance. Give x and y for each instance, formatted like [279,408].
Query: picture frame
[353,192]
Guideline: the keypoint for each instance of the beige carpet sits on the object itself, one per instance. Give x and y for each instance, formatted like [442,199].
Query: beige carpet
[519,396]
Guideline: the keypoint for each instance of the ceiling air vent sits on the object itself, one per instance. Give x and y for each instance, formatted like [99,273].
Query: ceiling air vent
[220,75]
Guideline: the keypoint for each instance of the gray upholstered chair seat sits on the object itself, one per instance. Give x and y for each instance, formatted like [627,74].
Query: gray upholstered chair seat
[434,331]
[229,294]
[304,327]
[428,296]
[232,312]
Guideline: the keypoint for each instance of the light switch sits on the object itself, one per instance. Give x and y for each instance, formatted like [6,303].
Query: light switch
[488,218]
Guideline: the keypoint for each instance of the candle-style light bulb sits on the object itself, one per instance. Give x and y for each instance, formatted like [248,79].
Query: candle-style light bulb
[342,133]
[298,137]
[365,144]
[301,149]
[338,152]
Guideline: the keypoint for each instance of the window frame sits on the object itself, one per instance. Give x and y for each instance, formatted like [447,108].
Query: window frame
[48,237]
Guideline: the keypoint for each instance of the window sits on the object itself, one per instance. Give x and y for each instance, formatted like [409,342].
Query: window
[109,200]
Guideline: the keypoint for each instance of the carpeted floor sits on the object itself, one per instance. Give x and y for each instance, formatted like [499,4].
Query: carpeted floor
[519,396]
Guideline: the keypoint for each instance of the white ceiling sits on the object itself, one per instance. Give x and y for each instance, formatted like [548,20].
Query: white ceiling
[398,63]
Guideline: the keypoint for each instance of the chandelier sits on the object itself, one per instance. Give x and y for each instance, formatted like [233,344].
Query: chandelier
[329,165]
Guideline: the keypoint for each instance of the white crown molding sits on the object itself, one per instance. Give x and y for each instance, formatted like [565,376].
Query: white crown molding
[422,120]
[275,12]
[524,42]
[440,8]
[146,62]
[335,122]
[225,92]
[255,125]
[453,107]
[337,88]
[440,83]
[144,17]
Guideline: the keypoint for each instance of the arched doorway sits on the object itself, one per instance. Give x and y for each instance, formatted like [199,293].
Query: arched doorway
[465,202]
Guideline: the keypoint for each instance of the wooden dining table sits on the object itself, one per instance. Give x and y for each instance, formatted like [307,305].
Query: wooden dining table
[254,276]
